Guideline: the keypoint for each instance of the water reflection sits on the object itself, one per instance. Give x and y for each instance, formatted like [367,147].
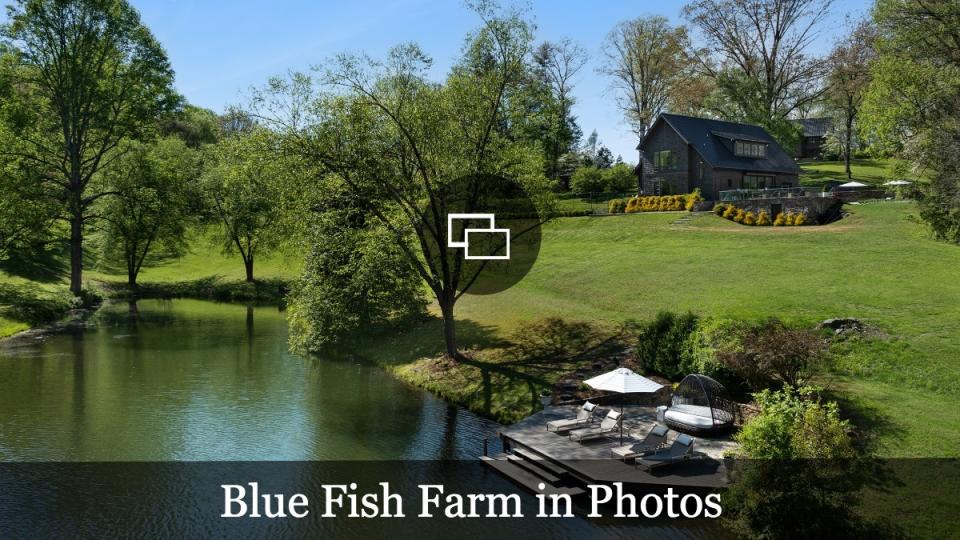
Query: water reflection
[191,380]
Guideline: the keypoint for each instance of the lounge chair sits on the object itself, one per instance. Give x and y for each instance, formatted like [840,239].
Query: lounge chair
[655,438]
[680,450]
[584,417]
[610,424]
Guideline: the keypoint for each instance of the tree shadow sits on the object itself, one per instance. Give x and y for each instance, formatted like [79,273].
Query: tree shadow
[37,264]
[509,374]
[870,424]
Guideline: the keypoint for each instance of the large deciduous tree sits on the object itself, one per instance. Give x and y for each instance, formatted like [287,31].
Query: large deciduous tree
[647,62]
[93,76]
[913,103]
[757,54]
[848,79]
[414,149]
[557,64]
[154,203]
[244,182]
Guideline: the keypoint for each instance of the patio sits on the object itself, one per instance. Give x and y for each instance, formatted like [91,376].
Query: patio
[592,462]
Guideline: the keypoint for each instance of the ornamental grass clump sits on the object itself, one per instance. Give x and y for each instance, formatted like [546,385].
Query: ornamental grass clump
[617,206]
[749,219]
[780,220]
[719,208]
[740,216]
[763,219]
[730,212]
[800,219]
[789,219]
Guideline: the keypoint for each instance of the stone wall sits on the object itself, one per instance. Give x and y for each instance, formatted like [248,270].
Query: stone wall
[818,209]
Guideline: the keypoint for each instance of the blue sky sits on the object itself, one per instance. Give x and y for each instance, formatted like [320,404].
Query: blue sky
[220,49]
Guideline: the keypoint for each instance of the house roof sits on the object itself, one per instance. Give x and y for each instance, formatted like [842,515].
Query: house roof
[705,136]
[815,127]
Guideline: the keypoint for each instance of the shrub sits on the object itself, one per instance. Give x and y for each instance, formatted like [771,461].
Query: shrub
[711,336]
[763,219]
[692,200]
[617,206]
[794,424]
[660,343]
[780,220]
[587,180]
[730,212]
[773,353]
[802,480]
[719,208]
[800,219]
[749,219]
[789,219]
[619,178]
[740,215]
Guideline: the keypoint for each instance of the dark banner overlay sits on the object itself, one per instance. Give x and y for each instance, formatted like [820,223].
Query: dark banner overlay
[457,499]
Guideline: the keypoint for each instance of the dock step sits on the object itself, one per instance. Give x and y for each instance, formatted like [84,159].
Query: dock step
[525,478]
[541,461]
[532,467]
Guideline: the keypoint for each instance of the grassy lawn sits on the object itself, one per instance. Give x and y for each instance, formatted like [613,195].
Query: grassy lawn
[868,171]
[876,265]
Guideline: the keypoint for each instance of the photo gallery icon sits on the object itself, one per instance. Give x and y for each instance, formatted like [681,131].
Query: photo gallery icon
[488,233]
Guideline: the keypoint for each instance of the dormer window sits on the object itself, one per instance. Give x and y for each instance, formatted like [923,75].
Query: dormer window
[749,149]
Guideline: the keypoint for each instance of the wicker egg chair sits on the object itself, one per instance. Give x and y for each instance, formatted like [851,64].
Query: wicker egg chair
[700,406]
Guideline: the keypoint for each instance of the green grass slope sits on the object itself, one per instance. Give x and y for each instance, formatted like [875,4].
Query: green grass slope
[878,265]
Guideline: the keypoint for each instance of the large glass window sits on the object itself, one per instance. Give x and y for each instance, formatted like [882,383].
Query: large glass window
[664,160]
[749,149]
[755,181]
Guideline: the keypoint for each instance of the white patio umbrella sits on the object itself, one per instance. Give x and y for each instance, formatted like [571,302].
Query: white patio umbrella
[897,183]
[623,381]
[852,185]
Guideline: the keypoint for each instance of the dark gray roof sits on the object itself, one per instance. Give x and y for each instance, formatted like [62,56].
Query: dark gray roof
[815,127]
[705,136]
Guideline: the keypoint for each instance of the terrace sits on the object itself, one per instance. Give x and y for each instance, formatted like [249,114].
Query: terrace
[537,455]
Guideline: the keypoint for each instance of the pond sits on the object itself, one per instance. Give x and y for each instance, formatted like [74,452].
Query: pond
[192,380]
[186,380]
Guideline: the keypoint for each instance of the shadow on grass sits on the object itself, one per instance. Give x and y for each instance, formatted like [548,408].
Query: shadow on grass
[37,264]
[871,425]
[499,378]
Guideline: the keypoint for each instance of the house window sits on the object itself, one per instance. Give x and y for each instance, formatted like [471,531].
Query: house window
[755,181]
[664,160]
[749,149]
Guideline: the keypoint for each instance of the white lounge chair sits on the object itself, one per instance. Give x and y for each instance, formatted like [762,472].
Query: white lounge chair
[680,450]
[609,425]
[654,439]
[584,417]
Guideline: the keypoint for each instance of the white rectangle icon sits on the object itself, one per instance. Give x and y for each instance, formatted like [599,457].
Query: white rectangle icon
[451,217]
[469,257]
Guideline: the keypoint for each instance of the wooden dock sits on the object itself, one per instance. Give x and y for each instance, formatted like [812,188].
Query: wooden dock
[534,455]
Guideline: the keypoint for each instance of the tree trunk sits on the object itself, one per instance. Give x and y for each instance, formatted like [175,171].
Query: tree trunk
[849,136]
[449,329]
[76,253]
[248,265]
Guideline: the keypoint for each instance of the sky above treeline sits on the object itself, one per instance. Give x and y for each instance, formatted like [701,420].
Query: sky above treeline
[220,49]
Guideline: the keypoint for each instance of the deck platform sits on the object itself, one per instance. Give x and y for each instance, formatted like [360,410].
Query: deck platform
[592,462]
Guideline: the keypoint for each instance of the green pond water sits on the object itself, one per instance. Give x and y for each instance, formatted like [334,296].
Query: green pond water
[192,380]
